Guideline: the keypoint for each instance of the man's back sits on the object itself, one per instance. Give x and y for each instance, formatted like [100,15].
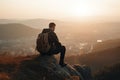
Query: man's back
[52,37]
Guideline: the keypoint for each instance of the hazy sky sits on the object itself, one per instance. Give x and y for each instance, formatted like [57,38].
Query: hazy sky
[60,9]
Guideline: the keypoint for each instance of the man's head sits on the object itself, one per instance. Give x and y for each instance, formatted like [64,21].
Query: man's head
[52,26]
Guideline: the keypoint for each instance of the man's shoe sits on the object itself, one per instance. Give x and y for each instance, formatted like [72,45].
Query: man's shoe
[63,65]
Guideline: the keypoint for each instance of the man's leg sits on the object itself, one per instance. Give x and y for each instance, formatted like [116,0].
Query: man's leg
[62,55]
[62,51]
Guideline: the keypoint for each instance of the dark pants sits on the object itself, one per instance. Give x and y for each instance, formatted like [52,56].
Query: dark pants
[60,50]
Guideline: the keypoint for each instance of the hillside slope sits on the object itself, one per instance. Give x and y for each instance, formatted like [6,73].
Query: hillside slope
[108,44]
[97,60]
[102,58]
[16,30]
[109,73]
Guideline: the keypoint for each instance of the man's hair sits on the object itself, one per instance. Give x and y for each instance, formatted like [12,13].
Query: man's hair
[52,24]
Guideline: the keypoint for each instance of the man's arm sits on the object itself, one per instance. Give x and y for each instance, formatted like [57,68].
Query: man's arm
[55,39]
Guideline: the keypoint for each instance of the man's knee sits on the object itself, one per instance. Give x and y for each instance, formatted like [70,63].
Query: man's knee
[63,48]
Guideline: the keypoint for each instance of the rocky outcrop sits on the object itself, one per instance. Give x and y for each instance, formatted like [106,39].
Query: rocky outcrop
[47,68]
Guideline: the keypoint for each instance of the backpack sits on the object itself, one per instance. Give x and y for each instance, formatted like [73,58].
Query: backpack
[42,43]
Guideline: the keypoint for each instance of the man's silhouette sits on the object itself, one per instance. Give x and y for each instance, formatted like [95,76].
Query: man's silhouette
[56,46]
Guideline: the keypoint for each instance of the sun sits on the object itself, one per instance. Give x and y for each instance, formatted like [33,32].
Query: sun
[83,11]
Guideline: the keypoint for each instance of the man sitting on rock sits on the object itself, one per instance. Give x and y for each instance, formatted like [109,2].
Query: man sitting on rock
[48,43]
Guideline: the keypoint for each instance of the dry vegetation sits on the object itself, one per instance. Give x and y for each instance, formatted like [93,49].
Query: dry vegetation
[9,64]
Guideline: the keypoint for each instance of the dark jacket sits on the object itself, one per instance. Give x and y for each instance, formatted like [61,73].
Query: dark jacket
[53,39]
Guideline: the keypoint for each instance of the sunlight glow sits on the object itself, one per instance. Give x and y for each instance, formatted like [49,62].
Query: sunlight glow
[60,9]
[83,10]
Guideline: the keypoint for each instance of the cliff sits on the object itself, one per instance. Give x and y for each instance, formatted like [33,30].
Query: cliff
[47,68]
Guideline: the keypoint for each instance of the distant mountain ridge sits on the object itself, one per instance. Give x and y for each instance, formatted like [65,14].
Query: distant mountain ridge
[6,21]
[35,23]
[16,30]
[83,31]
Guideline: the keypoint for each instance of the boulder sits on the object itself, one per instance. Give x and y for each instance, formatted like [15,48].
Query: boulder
[47,68]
